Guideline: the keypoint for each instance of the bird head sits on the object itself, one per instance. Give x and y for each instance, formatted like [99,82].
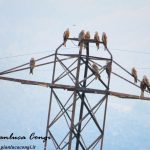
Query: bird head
[88,32]
[82,31]
[133,69]
[67,30]
[96,33]
[144,77]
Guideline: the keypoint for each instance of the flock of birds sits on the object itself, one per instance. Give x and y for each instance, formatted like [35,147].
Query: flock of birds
[83,36]
[83,40]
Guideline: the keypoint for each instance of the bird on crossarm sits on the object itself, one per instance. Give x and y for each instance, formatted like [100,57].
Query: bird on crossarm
[144,84]
[104,40]
[97,39]
[81,38]
[134,74]
[108,68]
[66,36]
[87,37]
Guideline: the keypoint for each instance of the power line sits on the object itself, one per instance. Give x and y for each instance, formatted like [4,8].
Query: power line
[20,55]
[141,68]
[41,52]
[130,51]
[127,50]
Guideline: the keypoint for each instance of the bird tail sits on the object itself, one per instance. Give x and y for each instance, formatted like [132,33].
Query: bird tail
[31,70]
[148,88]
[99,77]
[85,45]
[97,44]
[79,43]
[65,42]
[135,80]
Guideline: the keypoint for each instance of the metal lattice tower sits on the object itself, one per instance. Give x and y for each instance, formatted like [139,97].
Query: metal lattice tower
[78,97]
[77,111]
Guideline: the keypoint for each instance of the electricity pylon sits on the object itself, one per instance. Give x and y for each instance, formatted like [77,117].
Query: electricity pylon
[78,97]
[76,110]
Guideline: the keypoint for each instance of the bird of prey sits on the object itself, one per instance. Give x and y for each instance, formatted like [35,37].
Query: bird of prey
[104,39]
[144,84]
[108,68]
[66,36]
[32,65]
[81,38]
[87,37]
[97,39]
[134,74]
[146,80]
[96,71]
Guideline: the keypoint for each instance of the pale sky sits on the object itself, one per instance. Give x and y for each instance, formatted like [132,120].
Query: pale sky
[33,26]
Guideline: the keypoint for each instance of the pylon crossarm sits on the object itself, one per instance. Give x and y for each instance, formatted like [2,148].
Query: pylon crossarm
[128,96]
[85,40]
[72,88]
[14,68]
[84,56]
[59,86]
[26,68]
[25,81]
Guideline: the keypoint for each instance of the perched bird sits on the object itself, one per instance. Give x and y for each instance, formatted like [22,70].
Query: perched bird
[66,36]
[104,39]
[144,84]
[32,65]
[81,38]
[108,68]
[96,71]
[146,80]
[134,74]
[143,87]
[87,37]
[97,39]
